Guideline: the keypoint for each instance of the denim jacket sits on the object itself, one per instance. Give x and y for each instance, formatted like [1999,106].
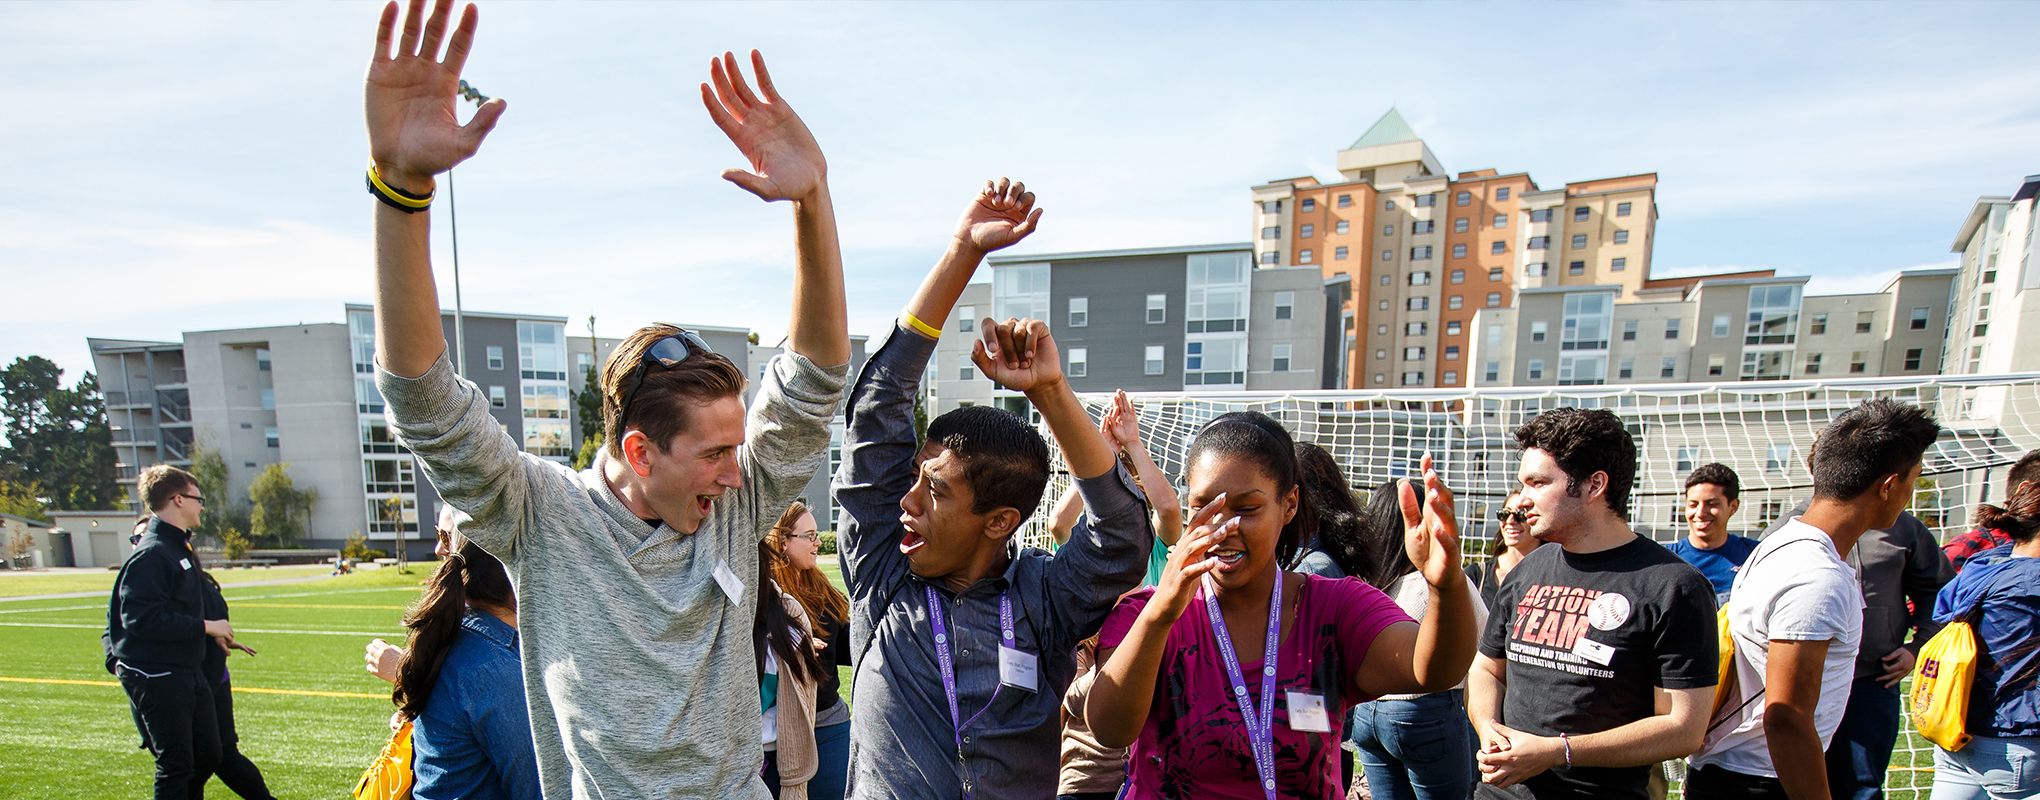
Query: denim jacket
[473,740]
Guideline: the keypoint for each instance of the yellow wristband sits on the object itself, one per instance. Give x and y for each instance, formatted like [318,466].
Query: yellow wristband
[924,328]
[394,197]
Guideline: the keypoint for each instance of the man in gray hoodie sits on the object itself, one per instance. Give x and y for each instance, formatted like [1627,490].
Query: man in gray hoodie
[633,576]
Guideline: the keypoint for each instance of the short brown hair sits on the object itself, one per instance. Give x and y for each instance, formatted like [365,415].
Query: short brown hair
[162,482]
[663,400]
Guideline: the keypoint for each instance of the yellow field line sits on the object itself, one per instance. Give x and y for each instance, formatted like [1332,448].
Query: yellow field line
[249,689]
[313,605]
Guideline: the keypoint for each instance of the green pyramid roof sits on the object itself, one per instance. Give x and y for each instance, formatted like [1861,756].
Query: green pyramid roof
[1391,128]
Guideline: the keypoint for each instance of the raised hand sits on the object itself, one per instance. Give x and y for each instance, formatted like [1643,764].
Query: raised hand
[1000,217]
[1121,425]
[1018,354]
[1431,530]
[1191,559]
[412,131]
[786,163]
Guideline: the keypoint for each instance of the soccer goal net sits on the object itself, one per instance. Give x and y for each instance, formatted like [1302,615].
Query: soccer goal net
[1762,430]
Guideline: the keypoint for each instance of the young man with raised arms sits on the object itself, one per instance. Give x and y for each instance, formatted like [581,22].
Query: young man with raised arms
[634,606]
[1599,656]
[964,646]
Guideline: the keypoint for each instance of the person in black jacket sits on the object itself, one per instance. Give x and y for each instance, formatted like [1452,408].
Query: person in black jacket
[157,633]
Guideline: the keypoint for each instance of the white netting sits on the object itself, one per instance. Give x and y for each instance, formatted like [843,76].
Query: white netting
[1762,430]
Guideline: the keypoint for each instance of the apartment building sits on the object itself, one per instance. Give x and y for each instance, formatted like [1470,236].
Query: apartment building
[304,395]
[952,380]
[1438,247]
[1201,318]
[1994,302]
[1748,326]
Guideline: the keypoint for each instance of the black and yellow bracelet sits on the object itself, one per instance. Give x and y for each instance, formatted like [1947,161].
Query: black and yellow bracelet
[394,197]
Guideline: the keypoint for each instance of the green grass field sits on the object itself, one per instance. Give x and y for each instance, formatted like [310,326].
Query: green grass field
[23,584]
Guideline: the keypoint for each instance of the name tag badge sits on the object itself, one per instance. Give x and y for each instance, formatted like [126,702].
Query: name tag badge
[730,583]
[1593,651]
[1017,669]
[1307,713]
[184,562]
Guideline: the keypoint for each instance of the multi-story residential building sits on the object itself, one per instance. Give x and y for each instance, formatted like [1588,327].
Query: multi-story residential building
[1994,303]
[304,395]
[1164,319]
[1436,248]
[817,497]
[953,380]
[1745,326]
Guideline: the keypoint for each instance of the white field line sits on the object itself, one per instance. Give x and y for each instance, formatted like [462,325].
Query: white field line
[230,600]
[236,630]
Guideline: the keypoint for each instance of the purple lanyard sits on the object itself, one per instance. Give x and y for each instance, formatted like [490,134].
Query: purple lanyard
[943,660]
[1261,726]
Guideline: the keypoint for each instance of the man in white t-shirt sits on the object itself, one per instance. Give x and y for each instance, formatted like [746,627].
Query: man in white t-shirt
[1796,612]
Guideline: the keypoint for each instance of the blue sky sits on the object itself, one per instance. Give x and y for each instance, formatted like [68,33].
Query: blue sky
[182,167]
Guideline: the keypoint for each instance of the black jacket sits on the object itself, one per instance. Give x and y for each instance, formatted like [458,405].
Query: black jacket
[155,620]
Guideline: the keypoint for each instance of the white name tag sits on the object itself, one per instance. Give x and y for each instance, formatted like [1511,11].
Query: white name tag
[1593,651]
[1016,669]
[184,562]
[1307,713]
[730,583]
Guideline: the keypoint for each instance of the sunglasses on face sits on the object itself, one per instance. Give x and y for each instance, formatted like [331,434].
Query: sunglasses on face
[665,354]
[1503,516]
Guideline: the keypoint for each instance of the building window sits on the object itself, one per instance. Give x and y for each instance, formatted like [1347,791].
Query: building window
[1217,296]
[1773,315]
[1580,214]
[1912,359]
[1780,454]
[1975,360]
[1621,237]
[1619,264]
[1919,319]
[1452,328]
[1463,198]
[1579,241]
[1080,362]
[1628,369]
[1582,370]
[1667,366]
[1721,326]
[1387,254]
[1339,253]
[1420,253]
[1459,276]
[1155,357]
[1450,378]
[1501,221]
[1388,205]
[1418,303]
[1688,455]
[1621,209]
[1378,377]
[543,401]
[1416,328]
[1345,200]
[1386,280]
[1420,279]
[1576,268]
[1539,243]
[1305,231]
[1308,204]
[1080,312]
[1271,232]
[1536,270]
[1413,354]
[1819,325]
[495,358]
[1494,273]
[1281,359]
[1285,305]
[1586,323]
[1214,362]
[1303,256]
[966,374]
[1459,225]
[1859,362]
[1502,193]
[1271,257]
[1455,301]
[1383,305]
[1388,230]
[1422,226]
[1341,226]
[270,438]
[1813,363]
[497,397]
[1452,353]
[268,399]
[1459,251]
[1413,379]
[262,359]
[1864,319]
[966,319]
[1538,330]
[1381,330]
[1498,247]
[1426,200]
[1157,308]
[1717,363]
[1494,371]
[1540,215]
[1629,330]
[1672,328]
[1536,369]
[1020,291]
[1271,206]
[1380,354]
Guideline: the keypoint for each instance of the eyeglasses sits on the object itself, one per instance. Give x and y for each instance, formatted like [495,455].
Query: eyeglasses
[667,353]
[1505,514]
[812,536]
[201,500]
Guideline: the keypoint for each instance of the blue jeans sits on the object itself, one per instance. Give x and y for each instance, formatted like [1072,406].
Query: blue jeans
[1989,767]
[1860,752]
[1419,749]
[832,751]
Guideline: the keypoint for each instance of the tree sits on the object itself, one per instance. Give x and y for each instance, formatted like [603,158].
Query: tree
[56,437]
[590,445]
[234,544]
[22,500]
[224,513]
[920,418]
[588,401]
[282,512]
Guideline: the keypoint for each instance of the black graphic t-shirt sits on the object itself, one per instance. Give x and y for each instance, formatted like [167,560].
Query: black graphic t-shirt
[1588,638]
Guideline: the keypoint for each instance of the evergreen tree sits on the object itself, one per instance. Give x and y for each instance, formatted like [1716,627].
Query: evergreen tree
[57,438]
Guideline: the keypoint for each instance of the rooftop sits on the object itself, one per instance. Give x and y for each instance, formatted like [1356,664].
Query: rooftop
[1390,129]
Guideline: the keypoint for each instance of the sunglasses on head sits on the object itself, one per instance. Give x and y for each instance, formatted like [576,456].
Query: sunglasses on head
[1505,514]
[665,354]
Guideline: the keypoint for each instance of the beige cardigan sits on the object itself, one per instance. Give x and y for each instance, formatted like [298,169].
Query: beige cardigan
[796,746]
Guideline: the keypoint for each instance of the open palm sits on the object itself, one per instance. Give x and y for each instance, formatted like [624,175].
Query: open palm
[1000,217]
[1430,529]
[786,163]
[413,133]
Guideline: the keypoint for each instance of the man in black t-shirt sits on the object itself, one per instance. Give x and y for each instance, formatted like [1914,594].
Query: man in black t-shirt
[1599,657]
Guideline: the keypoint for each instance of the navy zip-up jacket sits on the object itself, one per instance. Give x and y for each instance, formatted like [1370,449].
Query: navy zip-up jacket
[155,620]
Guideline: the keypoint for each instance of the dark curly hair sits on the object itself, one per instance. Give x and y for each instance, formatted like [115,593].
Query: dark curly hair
[1863,445]
[2020,517]
[1718,475]
[1583,442]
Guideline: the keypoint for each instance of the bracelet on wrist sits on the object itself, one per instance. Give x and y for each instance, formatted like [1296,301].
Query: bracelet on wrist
[407,202]
[1563,739]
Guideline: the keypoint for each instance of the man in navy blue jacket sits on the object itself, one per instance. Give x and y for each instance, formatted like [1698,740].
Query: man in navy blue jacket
[157,633]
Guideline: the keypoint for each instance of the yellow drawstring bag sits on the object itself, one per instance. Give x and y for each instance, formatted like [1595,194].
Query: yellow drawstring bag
[1941,682]
[1724,673]
[389,776]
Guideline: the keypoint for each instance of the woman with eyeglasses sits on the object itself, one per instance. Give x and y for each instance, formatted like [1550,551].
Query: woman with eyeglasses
[1511,543]
[790,557]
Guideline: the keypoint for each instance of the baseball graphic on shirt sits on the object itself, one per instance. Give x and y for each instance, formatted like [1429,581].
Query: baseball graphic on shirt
[1608,612]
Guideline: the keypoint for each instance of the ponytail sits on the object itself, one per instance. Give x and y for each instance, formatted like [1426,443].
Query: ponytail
[2019,518]
[469,573]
